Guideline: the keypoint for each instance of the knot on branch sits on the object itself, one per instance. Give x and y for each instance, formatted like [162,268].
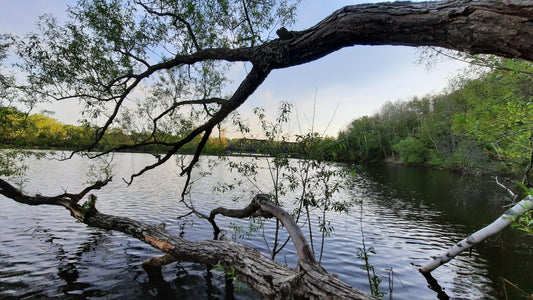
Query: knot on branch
[261,199]
[285,34]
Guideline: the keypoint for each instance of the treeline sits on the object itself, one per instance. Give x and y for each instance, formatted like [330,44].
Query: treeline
[484,124]
[38,131]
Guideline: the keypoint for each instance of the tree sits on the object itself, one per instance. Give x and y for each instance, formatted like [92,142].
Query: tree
[411,151]
[501,123]
[103,56]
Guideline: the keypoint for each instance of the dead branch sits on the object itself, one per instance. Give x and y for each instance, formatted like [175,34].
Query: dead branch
[477,237]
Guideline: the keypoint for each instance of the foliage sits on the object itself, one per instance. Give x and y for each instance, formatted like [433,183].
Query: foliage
[20,130]
[309,177]
[411,150]
[373,280]
[89,207]
[525,221]
[483,124]
[12,164]
[363,253]
[499,115]
[229,273]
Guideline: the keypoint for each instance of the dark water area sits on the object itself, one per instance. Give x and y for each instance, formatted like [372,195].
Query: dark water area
[408,215]
[446,207]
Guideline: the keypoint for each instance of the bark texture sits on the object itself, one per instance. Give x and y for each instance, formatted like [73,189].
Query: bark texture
[480,235]
[262,206]
[502,28]
[267,277]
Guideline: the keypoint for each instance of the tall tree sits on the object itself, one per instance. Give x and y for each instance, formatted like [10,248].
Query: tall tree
[177,52]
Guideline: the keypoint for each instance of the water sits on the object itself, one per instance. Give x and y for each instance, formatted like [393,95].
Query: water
[408,216]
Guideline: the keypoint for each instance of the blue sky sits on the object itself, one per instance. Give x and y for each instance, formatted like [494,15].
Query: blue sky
[349,83]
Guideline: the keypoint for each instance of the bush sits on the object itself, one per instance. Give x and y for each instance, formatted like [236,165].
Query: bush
[411,151]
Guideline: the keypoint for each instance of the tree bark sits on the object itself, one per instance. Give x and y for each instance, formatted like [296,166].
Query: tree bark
[503,28]
[267,277]
[480,235]
[262,206]
[495,27]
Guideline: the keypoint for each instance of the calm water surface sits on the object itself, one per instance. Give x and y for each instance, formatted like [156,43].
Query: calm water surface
[408,216]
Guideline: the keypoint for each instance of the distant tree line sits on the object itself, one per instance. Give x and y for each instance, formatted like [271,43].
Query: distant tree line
[38,131]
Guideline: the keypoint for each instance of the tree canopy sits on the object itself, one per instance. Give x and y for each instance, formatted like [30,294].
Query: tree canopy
[177,54]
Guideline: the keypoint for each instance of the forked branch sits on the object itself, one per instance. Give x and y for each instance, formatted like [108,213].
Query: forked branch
[67,200]
[262,206]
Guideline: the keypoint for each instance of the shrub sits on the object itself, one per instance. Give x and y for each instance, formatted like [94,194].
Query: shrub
[411,151]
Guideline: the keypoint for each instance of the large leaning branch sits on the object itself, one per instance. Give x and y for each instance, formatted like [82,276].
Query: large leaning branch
[480,235]
[492,27]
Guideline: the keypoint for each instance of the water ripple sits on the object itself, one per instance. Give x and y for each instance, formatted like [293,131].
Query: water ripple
[406,218]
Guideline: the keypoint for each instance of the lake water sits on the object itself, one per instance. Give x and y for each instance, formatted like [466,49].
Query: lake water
[409,215]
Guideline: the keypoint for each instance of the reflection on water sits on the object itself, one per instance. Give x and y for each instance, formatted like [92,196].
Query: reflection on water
[409,215]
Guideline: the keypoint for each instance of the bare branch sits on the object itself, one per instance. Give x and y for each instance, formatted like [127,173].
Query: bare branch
[478,61]
[188,170]
[513,195]
[246,14]
[67,200]
[12,192]
[267,209]
[188,102]
[129,54]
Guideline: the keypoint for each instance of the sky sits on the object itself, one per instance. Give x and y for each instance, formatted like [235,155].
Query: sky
[336,89]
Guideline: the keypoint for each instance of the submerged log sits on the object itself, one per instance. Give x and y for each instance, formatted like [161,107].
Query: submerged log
[269,278]
[480,235]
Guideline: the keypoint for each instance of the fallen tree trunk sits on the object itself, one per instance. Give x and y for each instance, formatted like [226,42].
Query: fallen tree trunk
[480,235]
[269,278]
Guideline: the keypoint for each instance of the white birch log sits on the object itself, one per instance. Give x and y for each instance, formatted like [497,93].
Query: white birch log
[480,235]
